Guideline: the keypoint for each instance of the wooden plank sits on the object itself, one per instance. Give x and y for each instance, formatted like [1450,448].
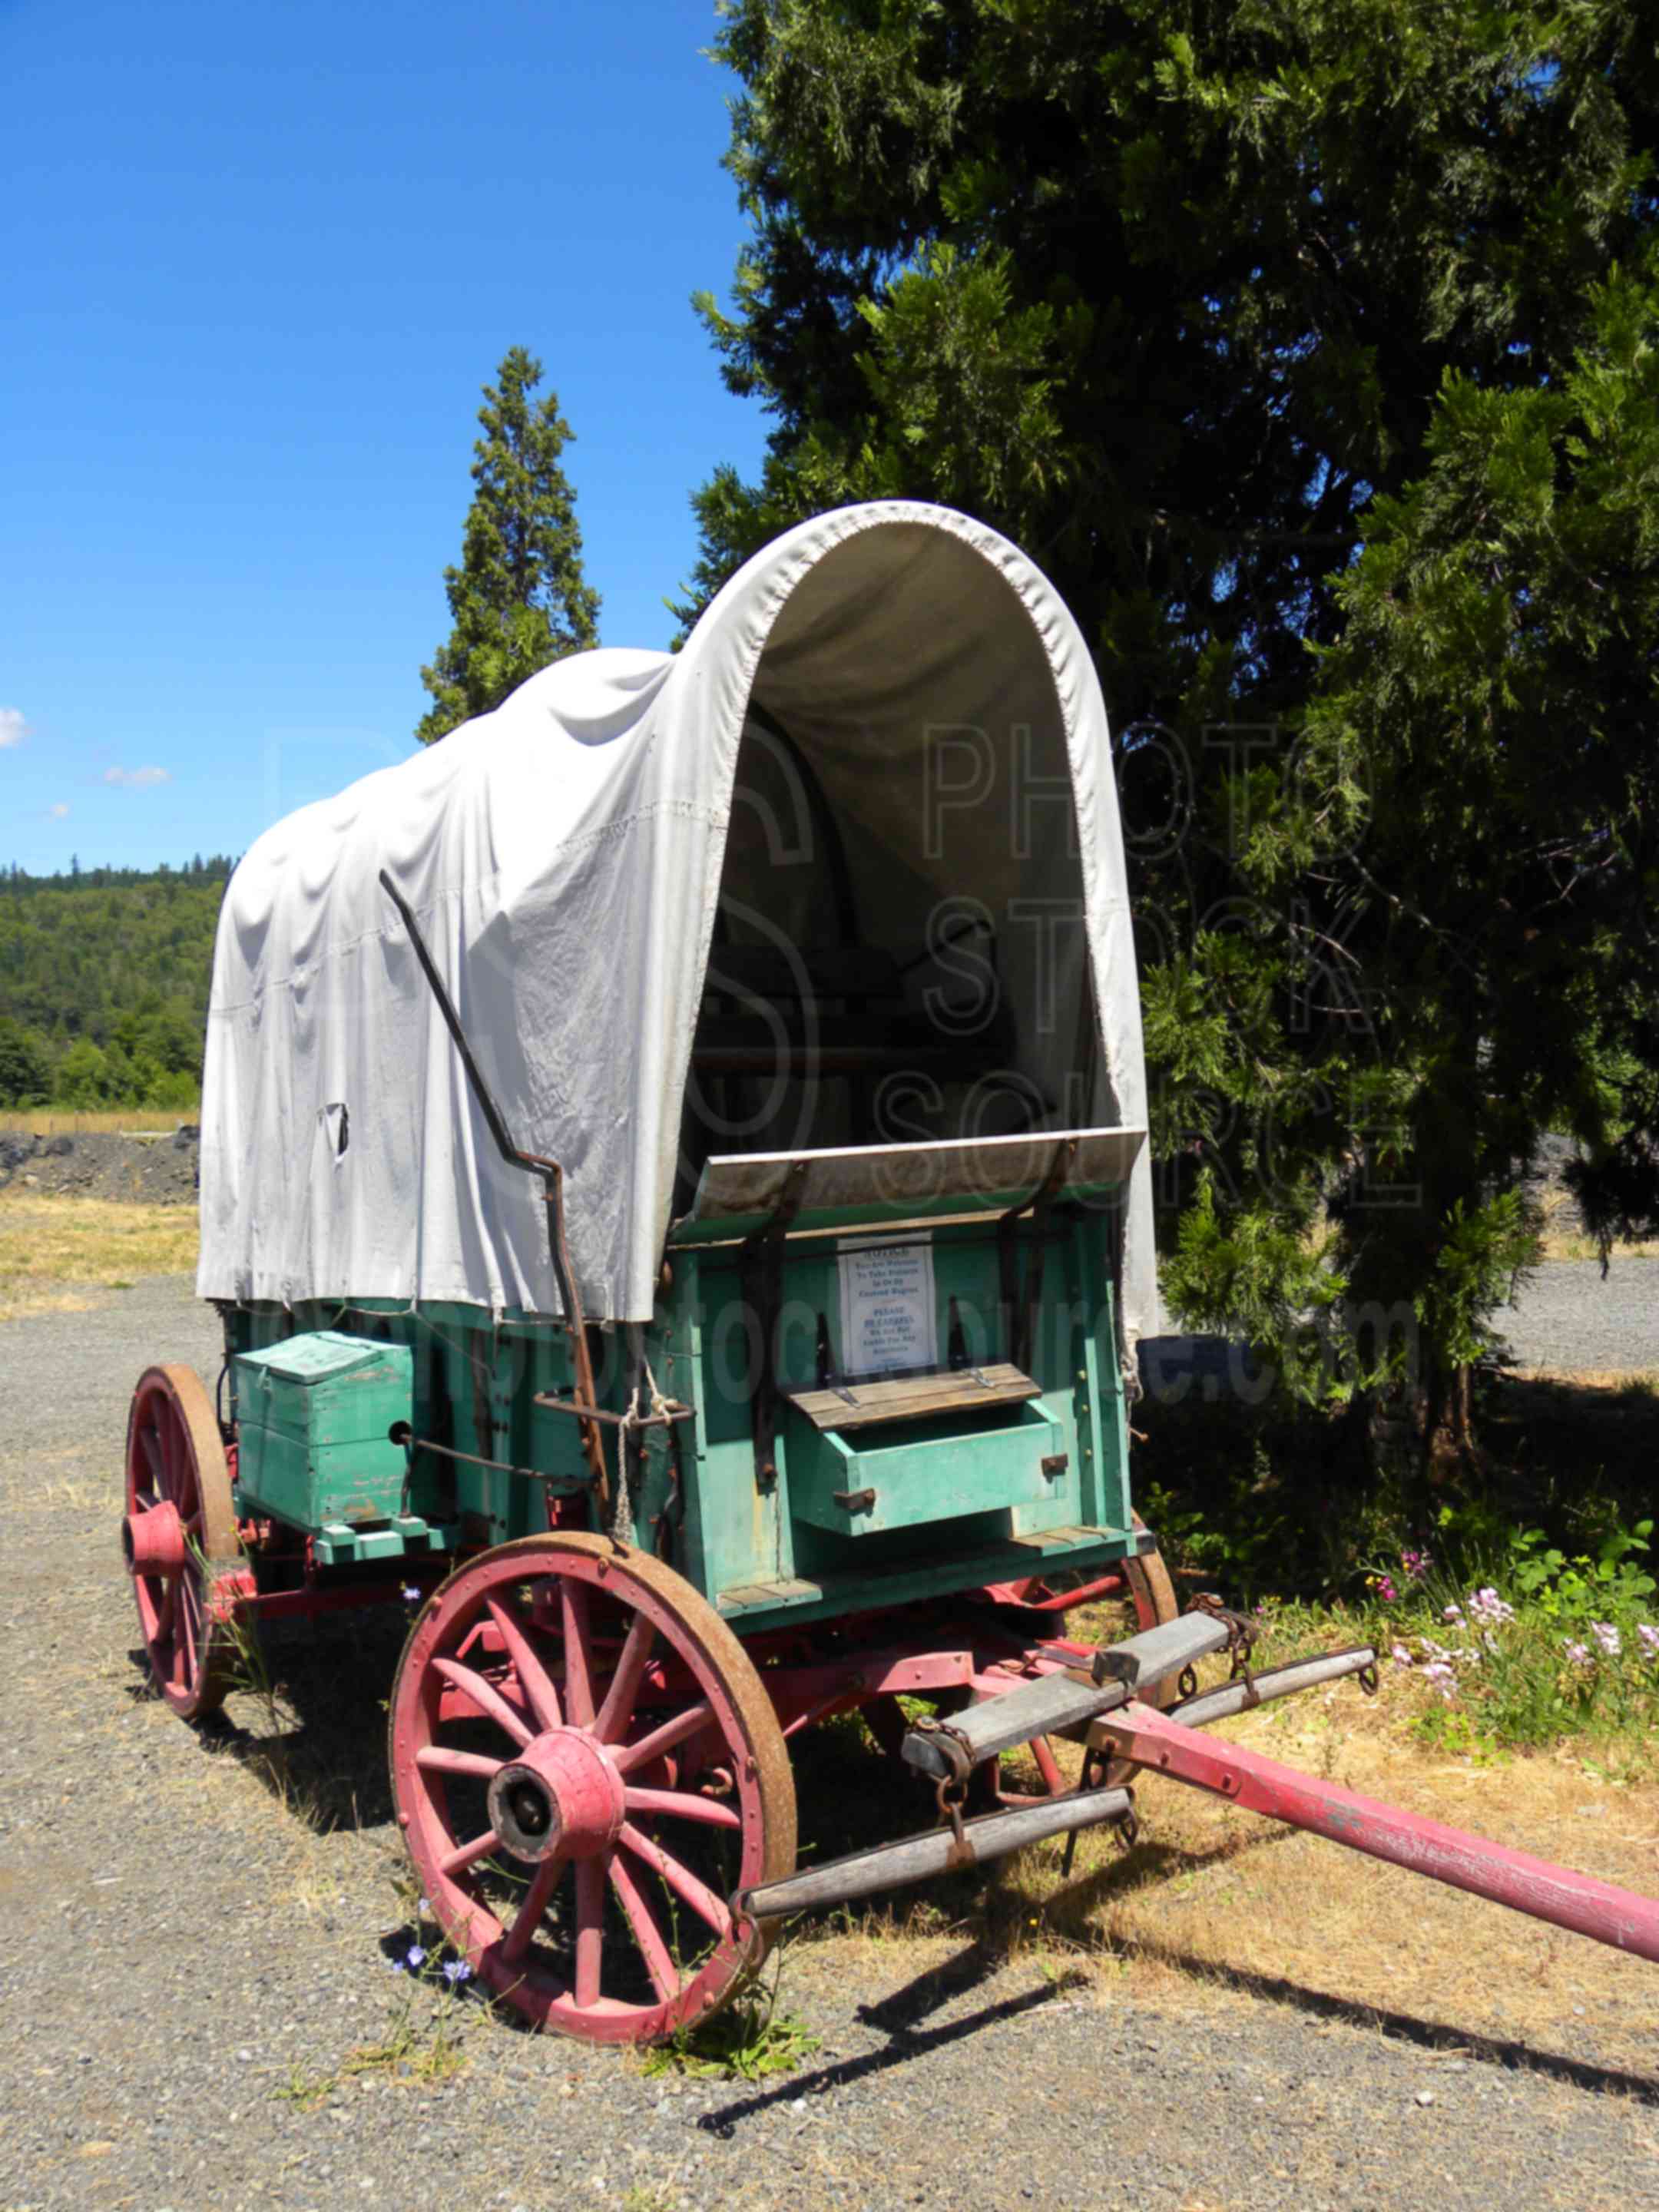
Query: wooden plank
[1160,1651]
[879,1182]
[1043,1706]
[914,1397]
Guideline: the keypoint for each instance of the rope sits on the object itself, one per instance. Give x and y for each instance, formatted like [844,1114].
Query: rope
[622,1521]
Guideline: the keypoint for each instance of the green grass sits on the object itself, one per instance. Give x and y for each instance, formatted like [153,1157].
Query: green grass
[1283,1513]
[751,2039]
[1509,1644]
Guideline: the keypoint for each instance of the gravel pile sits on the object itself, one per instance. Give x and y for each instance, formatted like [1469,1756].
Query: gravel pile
[159,1169]
[185,1950]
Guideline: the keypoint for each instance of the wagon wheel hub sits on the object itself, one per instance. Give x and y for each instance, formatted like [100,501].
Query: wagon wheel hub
[561,1797]
[153,1541]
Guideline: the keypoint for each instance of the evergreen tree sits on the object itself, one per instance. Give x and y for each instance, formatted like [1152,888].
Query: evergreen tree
[518,598]
[119,958]
[1196,302]
[25,1066]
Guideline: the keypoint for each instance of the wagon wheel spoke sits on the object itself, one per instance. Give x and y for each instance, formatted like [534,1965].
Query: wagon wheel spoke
[187,1616]
[192,1524]
[590,1931]
[528,1918]
[167,1451]
[149,1445]
[680,1879]
[165,1612]
[578,1653]
[658,1964]
[438,1758]
[485,1697]
[682,1805]
[466,1855]
[533,1678]
[617,1710]
[691,1722]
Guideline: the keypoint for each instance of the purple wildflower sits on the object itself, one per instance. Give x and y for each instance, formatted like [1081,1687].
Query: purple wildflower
[1453,1612]
[1578,1654]
[1402,1657]
[416,1955]
[1649,1637]
[457,1970]
[1607,1636]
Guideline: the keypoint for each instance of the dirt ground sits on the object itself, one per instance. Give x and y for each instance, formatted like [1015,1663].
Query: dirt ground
[1233,2017]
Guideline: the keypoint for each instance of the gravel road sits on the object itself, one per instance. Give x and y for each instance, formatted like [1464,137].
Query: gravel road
[181,1947]
[1568,1318]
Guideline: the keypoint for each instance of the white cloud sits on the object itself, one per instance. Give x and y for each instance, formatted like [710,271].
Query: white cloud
[58,813]
[14,728]
[136,779]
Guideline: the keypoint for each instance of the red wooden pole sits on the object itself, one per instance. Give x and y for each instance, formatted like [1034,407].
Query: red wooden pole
[1577,1901]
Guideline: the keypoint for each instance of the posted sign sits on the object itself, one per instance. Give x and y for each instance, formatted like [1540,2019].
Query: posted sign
[889,1318]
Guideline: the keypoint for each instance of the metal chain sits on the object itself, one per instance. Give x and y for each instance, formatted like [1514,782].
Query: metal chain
[1241,1642]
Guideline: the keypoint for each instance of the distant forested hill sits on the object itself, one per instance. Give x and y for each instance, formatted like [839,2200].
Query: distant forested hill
[104,978]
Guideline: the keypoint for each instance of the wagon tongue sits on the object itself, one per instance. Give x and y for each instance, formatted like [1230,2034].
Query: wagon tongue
[948,1751]
[1064,1702]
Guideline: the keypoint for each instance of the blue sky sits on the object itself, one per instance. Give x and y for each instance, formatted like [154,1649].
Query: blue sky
[259,262]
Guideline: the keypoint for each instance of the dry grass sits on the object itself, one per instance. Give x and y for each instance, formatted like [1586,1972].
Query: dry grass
[1573,1244]
[1562,1239]
[1619,1382]
[54,1250]
[61,1121]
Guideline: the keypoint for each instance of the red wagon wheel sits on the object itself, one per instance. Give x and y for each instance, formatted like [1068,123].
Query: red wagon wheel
[586,1765]
[178,1527]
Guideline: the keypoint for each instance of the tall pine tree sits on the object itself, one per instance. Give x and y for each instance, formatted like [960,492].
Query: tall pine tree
[518,598]
[1197,301]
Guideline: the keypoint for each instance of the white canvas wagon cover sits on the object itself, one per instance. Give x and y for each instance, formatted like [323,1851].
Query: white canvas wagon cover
[563,857]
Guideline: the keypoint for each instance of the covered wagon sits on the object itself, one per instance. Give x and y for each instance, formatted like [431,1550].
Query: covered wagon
[674,1178]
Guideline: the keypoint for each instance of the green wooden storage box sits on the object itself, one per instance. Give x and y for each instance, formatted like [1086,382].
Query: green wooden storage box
[313,1415]
[912,1476]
